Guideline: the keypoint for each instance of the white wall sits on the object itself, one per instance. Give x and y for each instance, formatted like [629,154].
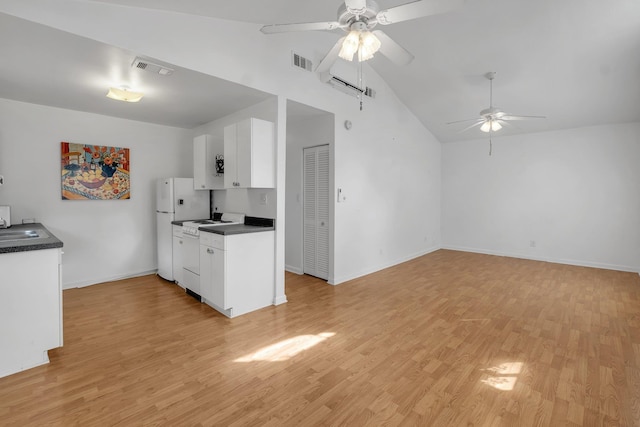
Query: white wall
[388,164]
[105,239]
[301,132]
[575,193]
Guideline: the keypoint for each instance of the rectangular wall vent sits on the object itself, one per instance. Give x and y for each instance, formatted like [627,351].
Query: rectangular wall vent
[301,62]
[142,64]
[350,88]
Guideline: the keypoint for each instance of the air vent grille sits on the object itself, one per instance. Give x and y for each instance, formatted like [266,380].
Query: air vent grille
[350,88]
[301,62]
[145,65]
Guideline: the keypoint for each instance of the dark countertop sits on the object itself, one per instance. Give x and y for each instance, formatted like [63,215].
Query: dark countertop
[31,244]
[185,220]
[231,229]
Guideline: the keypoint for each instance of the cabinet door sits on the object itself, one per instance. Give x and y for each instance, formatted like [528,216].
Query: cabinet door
[177,260]
[205,176]
[249,151]
[230,156]
[212,283]
[243,153]
[262,154]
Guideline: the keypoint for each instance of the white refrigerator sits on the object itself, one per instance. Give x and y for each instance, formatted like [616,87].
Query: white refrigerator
[176,200]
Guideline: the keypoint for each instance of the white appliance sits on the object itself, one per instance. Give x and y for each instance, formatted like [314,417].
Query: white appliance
[176,200]
[191,249]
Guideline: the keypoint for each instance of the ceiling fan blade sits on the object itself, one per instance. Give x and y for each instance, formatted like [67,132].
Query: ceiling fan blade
[330,58]
[308,26]
[465,120]
[478,123]
[416,9]
[357,7]
[393,50]
[514,117]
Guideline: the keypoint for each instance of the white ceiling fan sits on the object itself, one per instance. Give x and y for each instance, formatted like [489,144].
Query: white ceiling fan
[358,18]
[493,118]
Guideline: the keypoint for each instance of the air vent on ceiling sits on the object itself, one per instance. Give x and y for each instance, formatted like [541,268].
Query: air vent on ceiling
[301,62]
[145,65]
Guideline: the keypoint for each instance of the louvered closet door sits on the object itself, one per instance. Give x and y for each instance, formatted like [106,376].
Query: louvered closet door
[316,211]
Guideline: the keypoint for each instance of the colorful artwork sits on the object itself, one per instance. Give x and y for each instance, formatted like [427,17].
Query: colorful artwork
[94,172]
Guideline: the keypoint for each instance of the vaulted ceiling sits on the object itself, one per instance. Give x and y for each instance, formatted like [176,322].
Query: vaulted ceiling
[574,61]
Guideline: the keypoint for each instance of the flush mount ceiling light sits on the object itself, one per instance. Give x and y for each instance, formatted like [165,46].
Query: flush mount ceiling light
[124,94]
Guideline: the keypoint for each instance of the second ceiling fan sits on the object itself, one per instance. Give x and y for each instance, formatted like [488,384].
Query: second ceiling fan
[493,118]
[358,18]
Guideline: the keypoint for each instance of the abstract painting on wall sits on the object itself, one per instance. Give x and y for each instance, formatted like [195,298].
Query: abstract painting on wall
[94,172]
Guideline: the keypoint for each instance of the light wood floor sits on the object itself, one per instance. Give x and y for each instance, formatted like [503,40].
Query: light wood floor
[448,339]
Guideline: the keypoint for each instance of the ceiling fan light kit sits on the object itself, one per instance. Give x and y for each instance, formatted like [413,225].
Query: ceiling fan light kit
[491,126]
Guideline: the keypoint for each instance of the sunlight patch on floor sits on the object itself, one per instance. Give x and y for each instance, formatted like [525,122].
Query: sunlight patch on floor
[286,349]
[504,376]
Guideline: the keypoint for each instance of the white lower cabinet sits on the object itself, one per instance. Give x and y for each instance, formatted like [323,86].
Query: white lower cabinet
[177,255]
[30,308]
[237,271]
[212,260]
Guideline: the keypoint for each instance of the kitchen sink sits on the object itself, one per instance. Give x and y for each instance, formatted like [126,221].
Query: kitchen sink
[13,235]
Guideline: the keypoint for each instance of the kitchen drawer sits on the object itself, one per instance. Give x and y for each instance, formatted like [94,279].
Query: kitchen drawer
[212,239]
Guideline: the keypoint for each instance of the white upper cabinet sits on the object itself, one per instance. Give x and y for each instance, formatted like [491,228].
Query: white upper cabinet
[206,150]
[249,154]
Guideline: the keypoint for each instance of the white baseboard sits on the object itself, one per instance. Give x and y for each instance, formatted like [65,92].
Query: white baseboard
[292,269]
[280,300]
[96,281]
[578,263]
[346,278]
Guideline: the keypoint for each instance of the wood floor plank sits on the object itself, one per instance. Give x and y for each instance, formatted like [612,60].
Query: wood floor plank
[447,339]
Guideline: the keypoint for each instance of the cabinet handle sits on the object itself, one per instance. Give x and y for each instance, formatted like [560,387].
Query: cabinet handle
[180,241]
[201,185]
[209,250]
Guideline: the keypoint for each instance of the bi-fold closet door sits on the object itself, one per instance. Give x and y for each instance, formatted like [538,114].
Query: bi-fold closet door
[316,211]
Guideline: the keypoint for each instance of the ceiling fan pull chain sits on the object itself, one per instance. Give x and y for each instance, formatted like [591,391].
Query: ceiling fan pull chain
[360,92]
[490,144]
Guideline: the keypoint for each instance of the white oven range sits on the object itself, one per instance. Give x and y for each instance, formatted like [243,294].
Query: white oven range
[191,249]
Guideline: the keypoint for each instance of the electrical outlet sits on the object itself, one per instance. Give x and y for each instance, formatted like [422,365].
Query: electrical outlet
[532,243]
[263,198]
